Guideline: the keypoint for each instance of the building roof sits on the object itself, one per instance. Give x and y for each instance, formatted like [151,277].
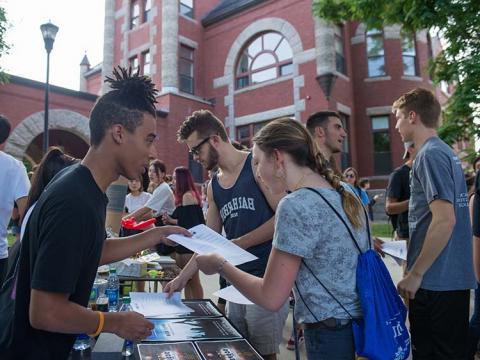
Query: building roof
[13,79]
[85,61]
[227,8]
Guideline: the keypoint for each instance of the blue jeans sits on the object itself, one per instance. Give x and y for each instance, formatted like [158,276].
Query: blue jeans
[330,343]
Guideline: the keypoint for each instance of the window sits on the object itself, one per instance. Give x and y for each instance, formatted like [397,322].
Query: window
[345,156]
[134,14]
[146,63]
[185,69]
[408,55]
[246,133]
[375,53]
[341,66]
[186,8]
[382,159]
[147,7]
[133,63]
[266,57]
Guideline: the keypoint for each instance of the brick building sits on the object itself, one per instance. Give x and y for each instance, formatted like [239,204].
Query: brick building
[250,61]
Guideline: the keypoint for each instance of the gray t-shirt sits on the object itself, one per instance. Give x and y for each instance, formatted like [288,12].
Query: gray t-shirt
[307,227]
[437,174]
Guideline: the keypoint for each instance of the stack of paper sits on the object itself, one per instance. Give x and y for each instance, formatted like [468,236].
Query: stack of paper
[153,305]
[205,240]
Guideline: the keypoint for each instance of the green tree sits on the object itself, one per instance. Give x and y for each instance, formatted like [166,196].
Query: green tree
[456,21]
[3,45]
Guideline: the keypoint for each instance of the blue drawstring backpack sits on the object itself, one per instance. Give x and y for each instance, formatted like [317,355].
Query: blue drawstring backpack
[381,334]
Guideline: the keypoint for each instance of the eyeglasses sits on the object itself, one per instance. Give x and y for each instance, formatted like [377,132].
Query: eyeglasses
[350,176]
[195,150]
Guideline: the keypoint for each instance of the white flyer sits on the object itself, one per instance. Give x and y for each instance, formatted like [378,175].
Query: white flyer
[204,240]
[396,249]
[153,305]
[230,293]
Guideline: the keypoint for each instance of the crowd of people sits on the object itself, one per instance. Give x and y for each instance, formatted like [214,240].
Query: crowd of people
[285,201]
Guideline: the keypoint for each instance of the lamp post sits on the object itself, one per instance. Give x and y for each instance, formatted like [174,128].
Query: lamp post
[48,32]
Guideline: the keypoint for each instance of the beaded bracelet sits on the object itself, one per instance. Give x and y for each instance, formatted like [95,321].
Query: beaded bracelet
[101,322]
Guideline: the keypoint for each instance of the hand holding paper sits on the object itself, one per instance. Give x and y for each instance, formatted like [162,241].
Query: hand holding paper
[205,240]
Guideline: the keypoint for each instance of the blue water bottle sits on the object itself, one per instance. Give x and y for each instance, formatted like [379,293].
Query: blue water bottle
[112,292]
[128,348]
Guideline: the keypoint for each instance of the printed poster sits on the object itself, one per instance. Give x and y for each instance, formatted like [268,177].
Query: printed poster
[201,308]
[170,351]
[227,350]
[192,329]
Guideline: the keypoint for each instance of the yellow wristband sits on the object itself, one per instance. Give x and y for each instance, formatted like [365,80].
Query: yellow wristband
[101,322]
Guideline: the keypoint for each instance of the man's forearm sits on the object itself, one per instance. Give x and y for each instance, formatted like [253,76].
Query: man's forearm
[258,236]
[395,208]
[436,239]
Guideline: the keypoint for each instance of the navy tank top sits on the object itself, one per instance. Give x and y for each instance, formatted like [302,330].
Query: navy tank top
[243,208]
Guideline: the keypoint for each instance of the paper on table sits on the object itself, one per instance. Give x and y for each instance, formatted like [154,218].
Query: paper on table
[157,304]
[397,249]
[205,240]
[230,293]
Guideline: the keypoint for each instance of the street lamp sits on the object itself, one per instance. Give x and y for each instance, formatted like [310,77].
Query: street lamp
[48,32]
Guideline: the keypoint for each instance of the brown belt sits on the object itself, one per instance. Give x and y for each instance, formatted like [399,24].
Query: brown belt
[330,323]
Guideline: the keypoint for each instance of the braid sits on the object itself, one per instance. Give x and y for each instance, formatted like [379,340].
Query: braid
[350,203]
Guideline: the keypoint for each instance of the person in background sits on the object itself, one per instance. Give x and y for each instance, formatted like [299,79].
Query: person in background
[64,240]
[328,131]
[14,186]
[398,194]
[187,214]
[135,199]
[351,176]
[162,200]
[310,244]
[51,164]
[365,185]
[440,270]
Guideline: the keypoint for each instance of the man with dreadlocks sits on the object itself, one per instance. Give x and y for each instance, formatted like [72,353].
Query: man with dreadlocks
[64,241]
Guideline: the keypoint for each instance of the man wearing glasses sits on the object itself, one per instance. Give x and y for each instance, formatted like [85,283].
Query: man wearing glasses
[240,204]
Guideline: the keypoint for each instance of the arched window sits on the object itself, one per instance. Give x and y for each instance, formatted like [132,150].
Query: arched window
[266,57]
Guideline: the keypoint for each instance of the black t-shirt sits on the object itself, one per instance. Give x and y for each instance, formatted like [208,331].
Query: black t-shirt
[399,188]
[61,250]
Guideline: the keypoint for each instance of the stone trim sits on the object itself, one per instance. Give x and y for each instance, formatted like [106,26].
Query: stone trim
[266,83]
[378,78]
[186,41]
[421,36]
[392,32]
[265,115]
[32,126]
[379,110]
[344,109]
[228,79]
[324,46]
[169,46]
[108,42]
[411,78]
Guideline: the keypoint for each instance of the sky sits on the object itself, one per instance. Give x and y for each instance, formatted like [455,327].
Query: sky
[80,31]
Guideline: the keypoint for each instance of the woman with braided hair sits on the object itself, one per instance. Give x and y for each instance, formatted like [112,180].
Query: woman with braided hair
[312,250]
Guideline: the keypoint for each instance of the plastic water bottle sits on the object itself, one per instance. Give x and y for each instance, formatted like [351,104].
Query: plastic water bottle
[82,343]
[113,287]
[128,346]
